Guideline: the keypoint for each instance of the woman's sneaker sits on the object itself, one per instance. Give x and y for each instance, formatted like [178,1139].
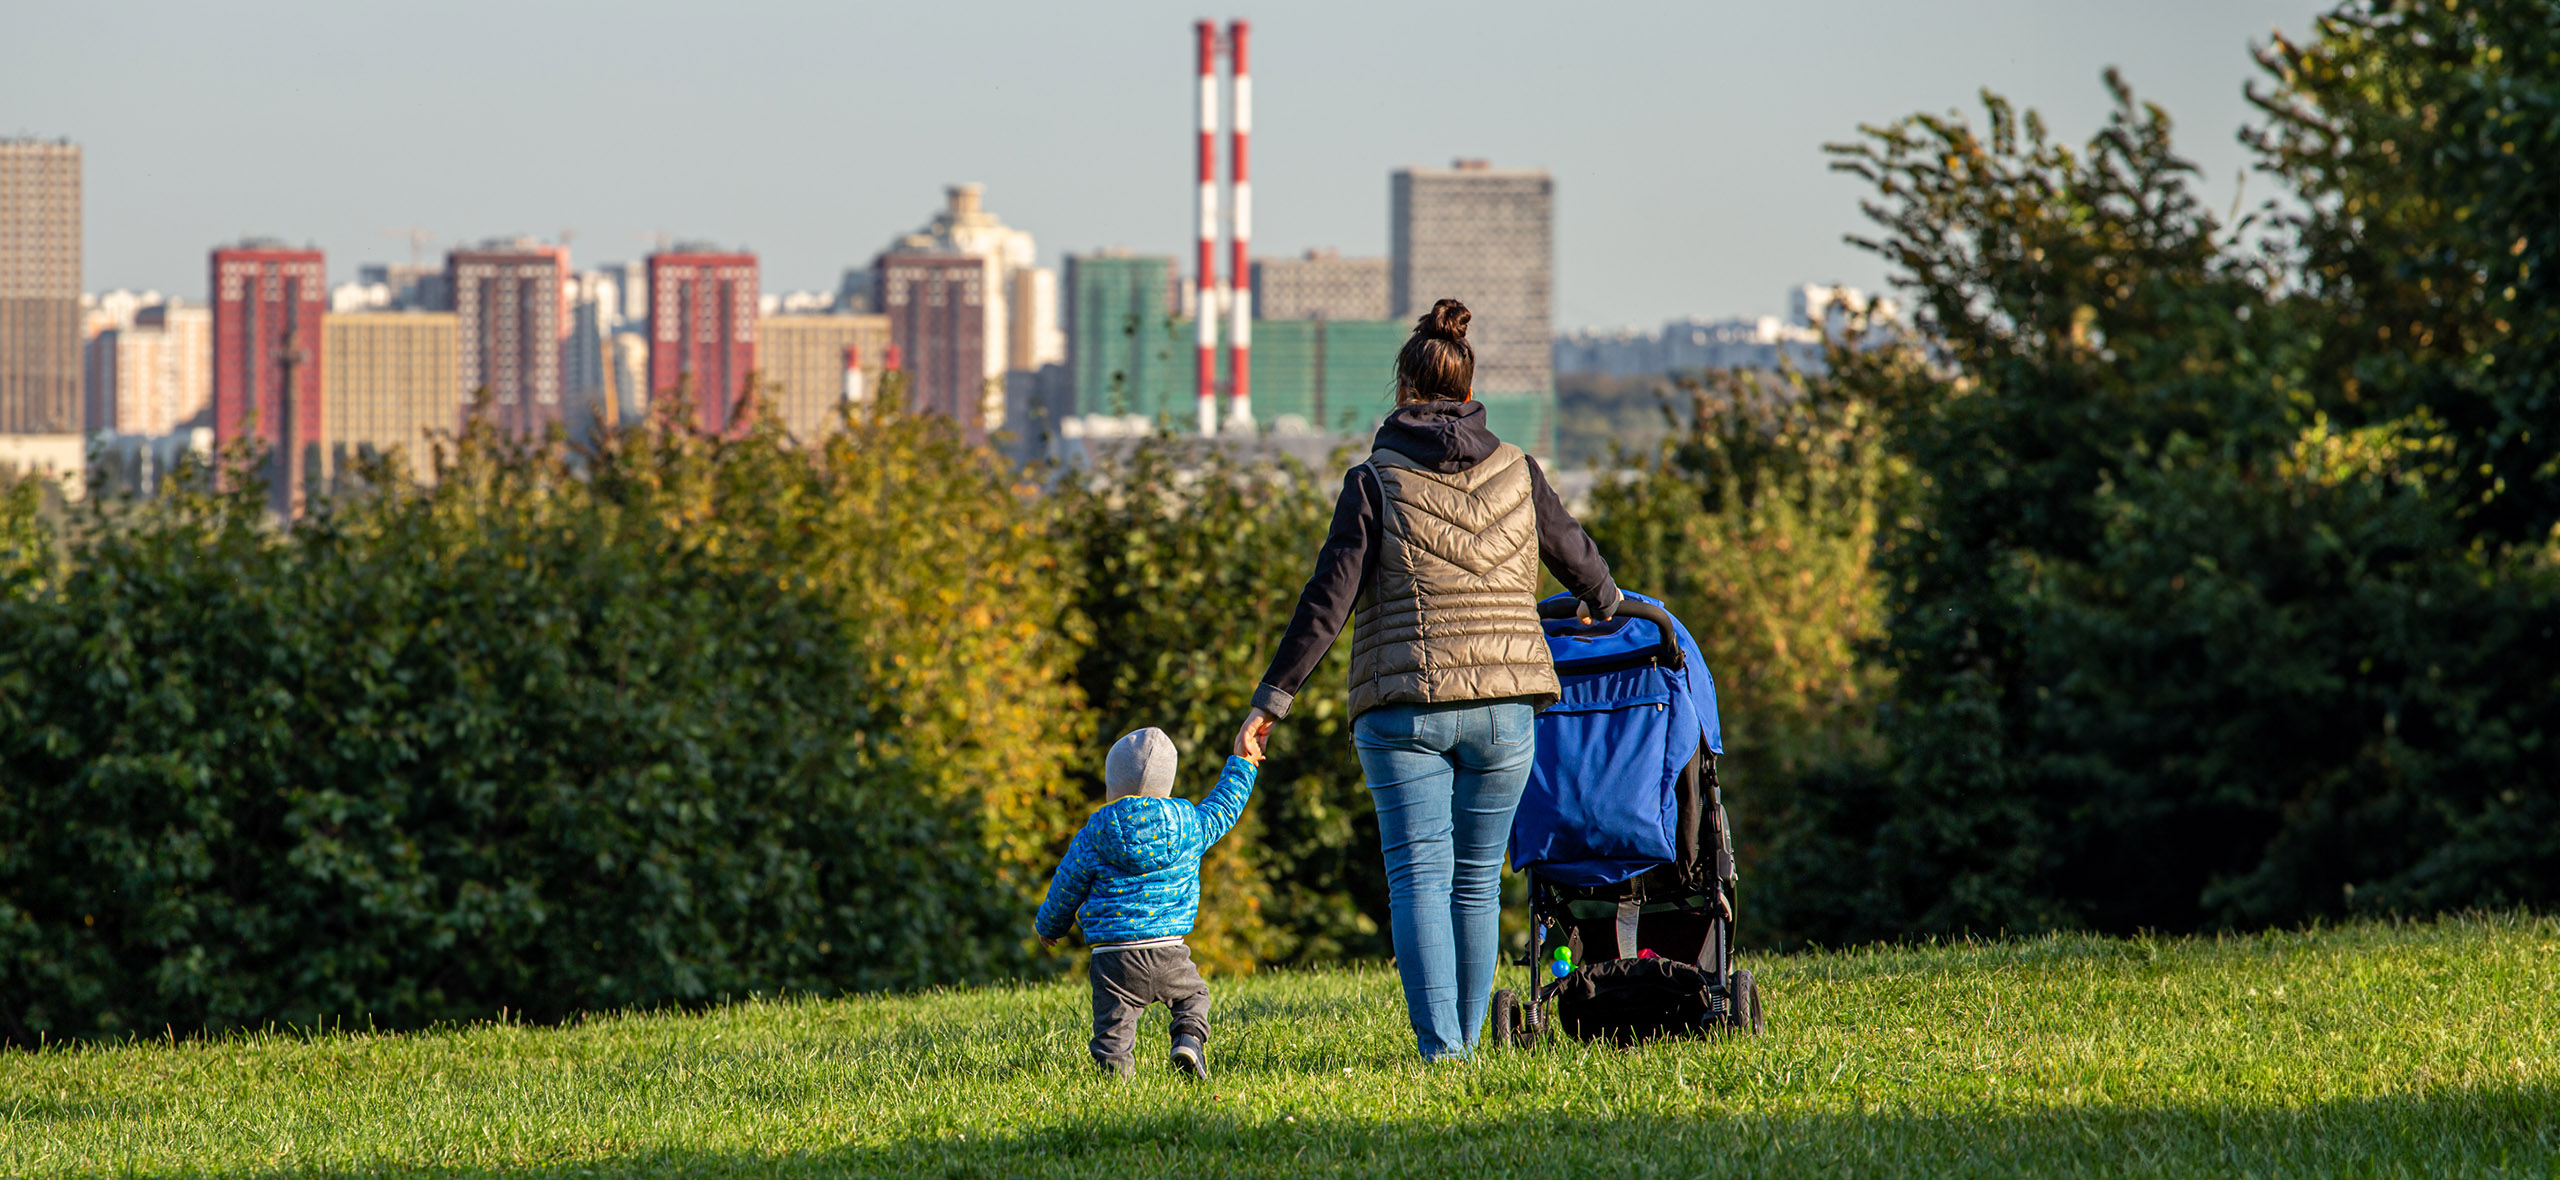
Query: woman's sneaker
[1191,1057]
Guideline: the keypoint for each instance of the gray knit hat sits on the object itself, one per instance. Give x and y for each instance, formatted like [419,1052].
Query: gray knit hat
[1140,764]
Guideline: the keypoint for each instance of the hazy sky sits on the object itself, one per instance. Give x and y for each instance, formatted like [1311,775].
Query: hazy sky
[1685,139]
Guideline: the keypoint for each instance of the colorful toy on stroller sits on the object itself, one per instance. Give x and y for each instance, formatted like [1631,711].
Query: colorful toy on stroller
[1622,834]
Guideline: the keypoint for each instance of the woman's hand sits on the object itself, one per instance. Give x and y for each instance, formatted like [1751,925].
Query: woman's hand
[1250,738]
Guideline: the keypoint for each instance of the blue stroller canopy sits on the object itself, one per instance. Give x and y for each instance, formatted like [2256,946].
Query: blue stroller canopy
[1602,803]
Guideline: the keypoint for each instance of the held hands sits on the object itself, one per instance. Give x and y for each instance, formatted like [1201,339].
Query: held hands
[1252,737]
[1049,942]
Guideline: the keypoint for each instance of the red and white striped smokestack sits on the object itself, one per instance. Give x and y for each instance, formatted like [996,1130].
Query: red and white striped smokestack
[1206,315]
[1239,238]
[852,376]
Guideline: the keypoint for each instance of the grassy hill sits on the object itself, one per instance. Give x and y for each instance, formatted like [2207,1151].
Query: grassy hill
[2430,1049]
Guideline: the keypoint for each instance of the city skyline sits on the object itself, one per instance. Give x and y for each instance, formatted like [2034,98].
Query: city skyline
[1711,199]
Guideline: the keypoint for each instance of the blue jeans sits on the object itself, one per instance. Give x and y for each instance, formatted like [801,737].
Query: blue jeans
[1446,779]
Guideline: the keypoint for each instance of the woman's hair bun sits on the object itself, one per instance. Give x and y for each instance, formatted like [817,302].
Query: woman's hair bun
[1447,320]
[1436,362]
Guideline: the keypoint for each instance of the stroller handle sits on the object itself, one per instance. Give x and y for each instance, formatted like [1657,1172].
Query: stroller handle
[1667,650]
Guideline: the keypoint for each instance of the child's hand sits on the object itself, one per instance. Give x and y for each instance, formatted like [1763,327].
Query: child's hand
[1048,942]
[1254,735]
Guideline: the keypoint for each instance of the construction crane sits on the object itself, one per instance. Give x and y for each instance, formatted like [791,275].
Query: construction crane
[419,240]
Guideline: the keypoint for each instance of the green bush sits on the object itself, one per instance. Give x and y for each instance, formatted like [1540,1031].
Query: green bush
[1758,525]
[712,716]
[1191,563]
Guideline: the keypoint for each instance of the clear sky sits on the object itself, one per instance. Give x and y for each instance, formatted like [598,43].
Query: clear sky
[1685,138]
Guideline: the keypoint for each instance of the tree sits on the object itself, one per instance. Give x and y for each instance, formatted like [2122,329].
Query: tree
[2228,594]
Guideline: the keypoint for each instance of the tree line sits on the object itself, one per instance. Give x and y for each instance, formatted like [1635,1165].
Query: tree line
[2174,572]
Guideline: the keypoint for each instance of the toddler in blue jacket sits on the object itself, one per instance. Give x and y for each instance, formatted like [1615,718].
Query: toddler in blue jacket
[1132,878]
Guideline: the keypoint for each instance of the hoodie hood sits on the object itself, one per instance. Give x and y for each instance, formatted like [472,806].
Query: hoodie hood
[1447,437]
[1139,835]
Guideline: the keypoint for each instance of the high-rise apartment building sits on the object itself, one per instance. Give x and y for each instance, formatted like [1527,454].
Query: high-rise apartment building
[941,312]
[1127,353]
[1010,337]
[115,378]
[587,366]
[803,359]
[155,376]
[631,282]
[1485,237]
[40,330]
[510,317]
[1322,285]
[702,330]
[1031,304]
[630,352]
[392,384]
[270,358]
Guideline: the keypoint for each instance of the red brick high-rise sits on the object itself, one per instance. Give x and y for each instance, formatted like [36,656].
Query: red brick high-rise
[511,317]
[268,300]
[938,309]
[702,331]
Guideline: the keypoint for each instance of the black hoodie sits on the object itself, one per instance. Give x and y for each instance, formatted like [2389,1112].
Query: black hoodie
[1448,437]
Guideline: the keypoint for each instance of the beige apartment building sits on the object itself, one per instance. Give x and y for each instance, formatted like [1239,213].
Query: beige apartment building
[802,358]
[391,382]
[40,318]
[1321,285]
[155,375]
[1033,338]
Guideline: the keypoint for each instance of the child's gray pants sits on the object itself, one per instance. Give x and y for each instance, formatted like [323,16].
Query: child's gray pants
[1127,980]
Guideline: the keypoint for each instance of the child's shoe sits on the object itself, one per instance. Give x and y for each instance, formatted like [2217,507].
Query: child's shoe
[1191,1057]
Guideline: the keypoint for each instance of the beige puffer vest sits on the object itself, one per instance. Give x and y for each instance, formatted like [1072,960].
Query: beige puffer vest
[1452,614]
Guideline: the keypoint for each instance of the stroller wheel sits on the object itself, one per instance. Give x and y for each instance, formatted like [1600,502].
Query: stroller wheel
[1506,1018]
[1746,1004]
[1534,1029]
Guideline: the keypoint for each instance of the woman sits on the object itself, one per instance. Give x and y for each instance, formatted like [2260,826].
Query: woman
[1434,557]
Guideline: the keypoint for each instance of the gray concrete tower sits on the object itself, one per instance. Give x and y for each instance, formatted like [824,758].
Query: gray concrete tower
[1485,237]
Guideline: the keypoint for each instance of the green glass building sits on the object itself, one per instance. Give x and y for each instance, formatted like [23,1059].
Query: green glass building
[1129,354]
[1339,376]
[1126,353]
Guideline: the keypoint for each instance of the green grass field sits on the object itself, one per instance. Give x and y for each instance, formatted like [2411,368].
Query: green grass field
[2371,1050]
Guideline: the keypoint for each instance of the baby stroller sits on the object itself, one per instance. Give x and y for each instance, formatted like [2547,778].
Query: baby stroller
[1622,834]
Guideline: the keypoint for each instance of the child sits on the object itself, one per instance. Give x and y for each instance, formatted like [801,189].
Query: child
[1133,878]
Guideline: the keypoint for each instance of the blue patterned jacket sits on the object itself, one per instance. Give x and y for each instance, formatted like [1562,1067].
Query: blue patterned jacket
[1133,873]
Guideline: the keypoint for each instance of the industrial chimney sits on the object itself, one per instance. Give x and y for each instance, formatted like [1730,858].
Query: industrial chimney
[1205,319]
[1239,234]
